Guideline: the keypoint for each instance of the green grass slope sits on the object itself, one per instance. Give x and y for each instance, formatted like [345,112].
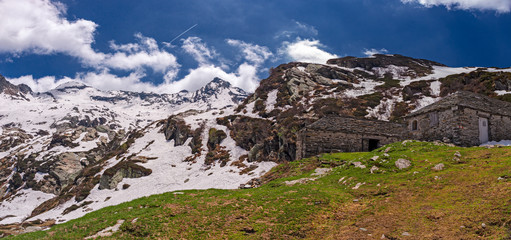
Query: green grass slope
[470,198]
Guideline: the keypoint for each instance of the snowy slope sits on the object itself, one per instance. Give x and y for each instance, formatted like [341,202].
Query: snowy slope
[54,135]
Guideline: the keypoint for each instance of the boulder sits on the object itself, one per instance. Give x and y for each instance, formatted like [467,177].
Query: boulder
[438,167]
[177,130]
[66,168]
[124,169]
[403,163]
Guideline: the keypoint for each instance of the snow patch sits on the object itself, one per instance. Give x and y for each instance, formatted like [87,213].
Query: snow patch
[499,70]
[439,72]
[384,110]
[397,72]
[424,101]
[271,100]
[502,92]
[502,143]
[435,88]
[21,205]
[365,87]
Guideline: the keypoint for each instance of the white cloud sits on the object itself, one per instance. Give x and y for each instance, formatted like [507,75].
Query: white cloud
[144,53]
[372,51]
[306,50]
[101,80]
[39,26]
[306,28]
[253,53]
[39,85]
[297,29]
[199,50]
[501,6]
[245,77]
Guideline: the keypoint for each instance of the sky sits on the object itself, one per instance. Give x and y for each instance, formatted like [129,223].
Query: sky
[173,45]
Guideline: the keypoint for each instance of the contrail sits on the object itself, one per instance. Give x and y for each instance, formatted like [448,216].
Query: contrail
[183,33]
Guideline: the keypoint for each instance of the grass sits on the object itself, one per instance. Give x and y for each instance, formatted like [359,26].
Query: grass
[465,200]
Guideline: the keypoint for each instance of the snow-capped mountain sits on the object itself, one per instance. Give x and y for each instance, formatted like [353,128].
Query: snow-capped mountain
[76,149]
[62,141]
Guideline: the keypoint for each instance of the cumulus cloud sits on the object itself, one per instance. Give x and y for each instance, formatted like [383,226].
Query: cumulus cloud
[501,6]
[143,54]
[39,85]
[306,50]
[372,51]
[101,80]
[199,50]
[252,52]
[39,26]
[244,77]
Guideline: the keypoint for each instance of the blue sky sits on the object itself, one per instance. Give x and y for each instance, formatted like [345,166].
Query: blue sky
[126,44]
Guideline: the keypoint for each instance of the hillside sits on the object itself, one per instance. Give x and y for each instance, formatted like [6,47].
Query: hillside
[76,149]
[334,196]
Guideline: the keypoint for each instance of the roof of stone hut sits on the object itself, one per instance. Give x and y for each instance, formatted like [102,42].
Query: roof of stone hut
[346,124]
[469,100]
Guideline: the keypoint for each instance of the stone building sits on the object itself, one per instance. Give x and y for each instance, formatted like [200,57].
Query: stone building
[346,134]
[463,118]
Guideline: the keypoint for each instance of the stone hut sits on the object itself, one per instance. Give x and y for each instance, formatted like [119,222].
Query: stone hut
[463,118]
[346,134]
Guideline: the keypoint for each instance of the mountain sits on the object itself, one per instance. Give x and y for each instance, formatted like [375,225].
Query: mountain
[13,90]
[384,87]
[57,145]
[76,149]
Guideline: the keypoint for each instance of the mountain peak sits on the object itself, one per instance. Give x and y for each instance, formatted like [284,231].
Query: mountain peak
[71,84]
[217,83]
[11,89]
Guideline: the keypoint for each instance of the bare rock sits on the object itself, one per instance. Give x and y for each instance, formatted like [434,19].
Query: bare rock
[439,167]
[321,171]
[90,135]
[403,163]
[124,169]
[109,231]
[67,168]
[359,165]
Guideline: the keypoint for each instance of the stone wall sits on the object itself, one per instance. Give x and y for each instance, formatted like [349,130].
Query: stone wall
[460,125]
[446,127]
[499,127]
[311,142]
[457,124]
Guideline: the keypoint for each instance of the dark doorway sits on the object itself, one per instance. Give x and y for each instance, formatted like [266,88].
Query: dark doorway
[373,144]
